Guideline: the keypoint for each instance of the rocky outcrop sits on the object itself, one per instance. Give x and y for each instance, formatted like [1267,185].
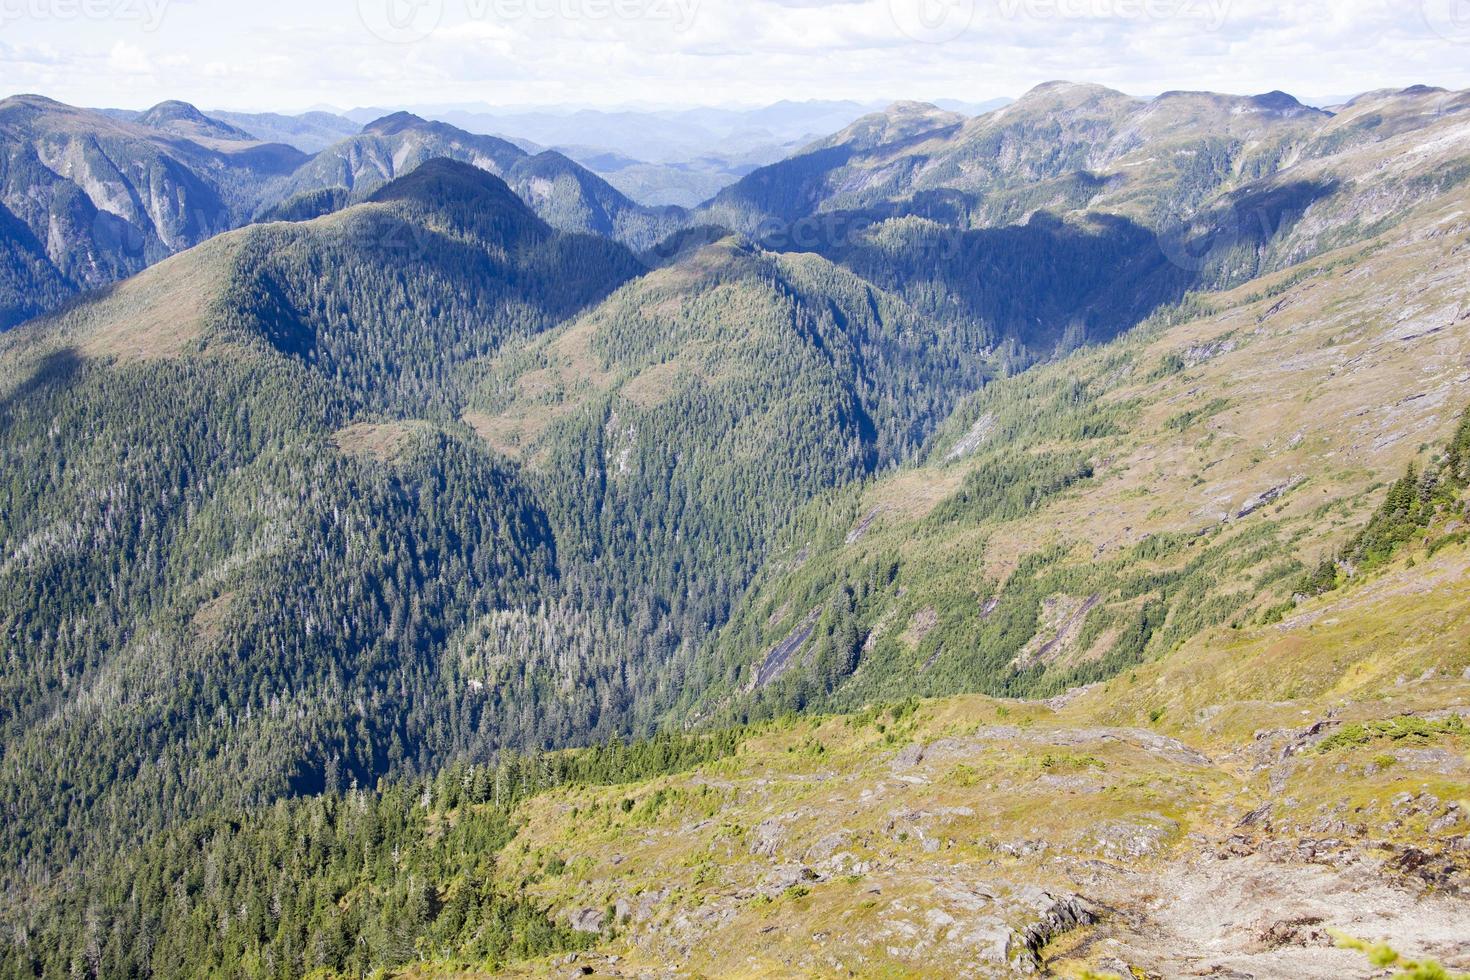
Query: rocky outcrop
[586,920]
[1056,915]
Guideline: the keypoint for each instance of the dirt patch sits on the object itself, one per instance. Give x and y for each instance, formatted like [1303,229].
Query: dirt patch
[925,621]
[384,442]
[209,621]
[656,385]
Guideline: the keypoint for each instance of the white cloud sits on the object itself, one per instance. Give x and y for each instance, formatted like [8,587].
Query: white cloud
[129,59]
[290,54]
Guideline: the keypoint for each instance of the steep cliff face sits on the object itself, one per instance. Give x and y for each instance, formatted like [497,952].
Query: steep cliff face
[100,199]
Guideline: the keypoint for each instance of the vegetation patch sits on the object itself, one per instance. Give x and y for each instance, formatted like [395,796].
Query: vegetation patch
[1395,729]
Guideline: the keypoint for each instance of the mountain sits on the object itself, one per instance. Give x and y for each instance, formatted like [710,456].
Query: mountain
[1013,521]
[655,135]
[658,157]
[675,426]
[1187,191]
[1093,514]
[86,200]
[262,408]
[683,183]
[568,196]
[309,132]
[1080,144]
[183,119]
[396,144]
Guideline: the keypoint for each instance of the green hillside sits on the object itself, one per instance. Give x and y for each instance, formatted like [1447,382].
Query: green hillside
[1291,780]
[1092,514]
[234,578]
[1050,556]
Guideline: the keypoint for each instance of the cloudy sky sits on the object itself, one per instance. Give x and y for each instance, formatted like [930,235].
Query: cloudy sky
[291,54]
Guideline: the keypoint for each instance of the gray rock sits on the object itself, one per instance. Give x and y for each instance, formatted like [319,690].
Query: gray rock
[1127,839]
[785,878]
[586,920]
[827,846]
[909,757]
[767,838]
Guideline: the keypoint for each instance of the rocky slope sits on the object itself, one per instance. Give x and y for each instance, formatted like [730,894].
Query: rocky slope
[1223,811]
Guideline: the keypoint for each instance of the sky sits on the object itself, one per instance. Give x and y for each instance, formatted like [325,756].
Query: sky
[289,55]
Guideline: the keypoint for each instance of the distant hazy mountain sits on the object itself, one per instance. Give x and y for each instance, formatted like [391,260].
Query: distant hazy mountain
[183,119]
[566,194]
[685,183]
[309,132]
[658,157]
[655,136]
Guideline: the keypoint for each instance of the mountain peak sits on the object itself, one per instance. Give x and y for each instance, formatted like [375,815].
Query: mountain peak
[395,123]
[174,109]
[27,106]
[33,101]
[1280,102]
[468,196]
[184,119]
[899,122]
[1073,90]
[1063,97]
[1200,105]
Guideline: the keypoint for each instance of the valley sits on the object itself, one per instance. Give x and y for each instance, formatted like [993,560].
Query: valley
[1028,543]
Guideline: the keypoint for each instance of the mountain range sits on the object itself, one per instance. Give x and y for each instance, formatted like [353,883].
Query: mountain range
[922,555]
[89,198]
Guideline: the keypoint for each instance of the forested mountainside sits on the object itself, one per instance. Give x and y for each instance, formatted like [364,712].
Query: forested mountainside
[219,451]
[1092,514]
[88,198]
[307,529]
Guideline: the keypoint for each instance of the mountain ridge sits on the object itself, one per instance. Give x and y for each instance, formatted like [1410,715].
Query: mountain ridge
[1010,521]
